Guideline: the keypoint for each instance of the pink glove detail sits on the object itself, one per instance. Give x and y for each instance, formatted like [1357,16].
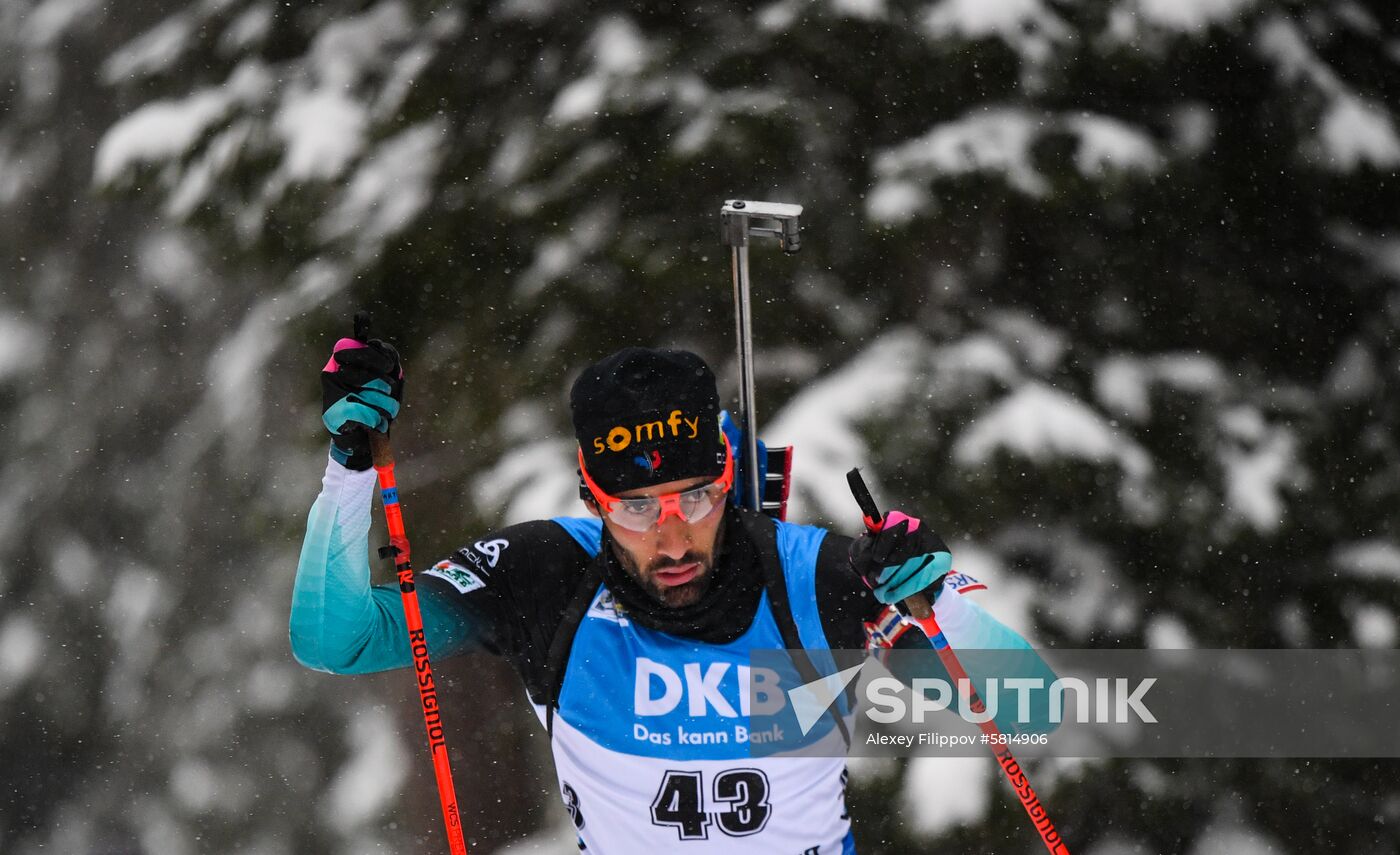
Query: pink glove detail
[347,344]
[893,519]
[344,344]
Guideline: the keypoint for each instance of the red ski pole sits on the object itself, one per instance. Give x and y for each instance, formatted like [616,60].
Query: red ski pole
[382,455]
[922,612]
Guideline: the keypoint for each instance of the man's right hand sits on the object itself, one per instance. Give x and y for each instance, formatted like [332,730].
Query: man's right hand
[361,389]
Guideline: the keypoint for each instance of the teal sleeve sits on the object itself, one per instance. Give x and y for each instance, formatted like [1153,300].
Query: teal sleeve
[986,648]
[339,622]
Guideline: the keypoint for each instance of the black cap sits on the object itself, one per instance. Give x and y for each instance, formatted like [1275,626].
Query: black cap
[645,416]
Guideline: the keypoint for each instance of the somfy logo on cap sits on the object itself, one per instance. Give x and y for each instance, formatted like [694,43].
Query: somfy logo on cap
[621,437]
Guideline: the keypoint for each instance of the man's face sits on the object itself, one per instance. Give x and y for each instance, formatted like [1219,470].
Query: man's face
[674,560]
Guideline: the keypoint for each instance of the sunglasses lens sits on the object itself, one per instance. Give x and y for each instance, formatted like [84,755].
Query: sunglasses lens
[640,514]
[691,506]
[696,504]
[636,515]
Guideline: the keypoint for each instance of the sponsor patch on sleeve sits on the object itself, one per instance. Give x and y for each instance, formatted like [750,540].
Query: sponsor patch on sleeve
[464,580]
[963,583]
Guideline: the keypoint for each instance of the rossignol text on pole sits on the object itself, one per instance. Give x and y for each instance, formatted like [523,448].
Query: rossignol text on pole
[920,610]
[382,454]
[738,220]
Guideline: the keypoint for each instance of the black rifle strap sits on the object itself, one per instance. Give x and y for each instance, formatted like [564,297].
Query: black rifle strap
[563,641]
[763,530]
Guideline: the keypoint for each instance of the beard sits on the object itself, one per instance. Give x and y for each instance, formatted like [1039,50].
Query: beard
[671,596]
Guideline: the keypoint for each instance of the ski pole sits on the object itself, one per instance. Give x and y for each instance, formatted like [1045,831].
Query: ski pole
[382,454]
[736,224]
[922,612]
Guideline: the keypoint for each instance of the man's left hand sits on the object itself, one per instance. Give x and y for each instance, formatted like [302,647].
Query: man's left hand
[904,558]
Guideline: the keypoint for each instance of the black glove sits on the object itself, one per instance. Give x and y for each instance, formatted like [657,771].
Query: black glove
[361,388]
[904,558]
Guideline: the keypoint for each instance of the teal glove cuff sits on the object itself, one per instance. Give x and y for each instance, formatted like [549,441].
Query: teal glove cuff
[900,581]
[371,406]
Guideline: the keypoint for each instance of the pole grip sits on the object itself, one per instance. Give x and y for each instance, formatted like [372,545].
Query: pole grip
[918,606]
[870,512]
[361,325]
[381,452]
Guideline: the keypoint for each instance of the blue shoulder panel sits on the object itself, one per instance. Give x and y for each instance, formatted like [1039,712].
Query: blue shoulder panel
[797,547]
[588,531]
